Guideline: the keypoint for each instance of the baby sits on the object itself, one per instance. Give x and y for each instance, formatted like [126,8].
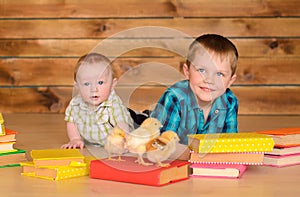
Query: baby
[97,109]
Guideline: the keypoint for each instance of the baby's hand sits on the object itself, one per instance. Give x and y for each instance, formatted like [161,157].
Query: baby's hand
[76,143]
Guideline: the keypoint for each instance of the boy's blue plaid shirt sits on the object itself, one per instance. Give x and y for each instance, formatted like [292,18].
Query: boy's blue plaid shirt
[177,109]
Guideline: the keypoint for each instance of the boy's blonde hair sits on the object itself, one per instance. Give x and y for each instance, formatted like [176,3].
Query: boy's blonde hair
[215,44]
[93,58]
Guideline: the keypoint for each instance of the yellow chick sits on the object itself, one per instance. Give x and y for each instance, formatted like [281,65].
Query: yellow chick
[115,143]
[137,140]
[161,148]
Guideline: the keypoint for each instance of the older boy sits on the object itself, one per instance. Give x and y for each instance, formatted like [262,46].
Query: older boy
[203,103]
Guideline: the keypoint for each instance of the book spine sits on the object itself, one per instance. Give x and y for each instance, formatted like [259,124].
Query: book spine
[225,163]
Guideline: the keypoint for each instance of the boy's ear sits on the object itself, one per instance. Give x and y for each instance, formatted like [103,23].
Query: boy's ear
[232,80]
[186,71]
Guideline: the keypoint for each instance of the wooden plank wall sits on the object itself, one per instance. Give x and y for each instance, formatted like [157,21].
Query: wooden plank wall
[40,41]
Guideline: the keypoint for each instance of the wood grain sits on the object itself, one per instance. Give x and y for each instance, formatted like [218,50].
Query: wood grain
[145,8]
[253,100]
[264,47]
[103,28]
[250,71]
[40,42]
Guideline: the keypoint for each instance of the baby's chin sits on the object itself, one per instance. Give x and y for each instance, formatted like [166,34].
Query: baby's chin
[93,103]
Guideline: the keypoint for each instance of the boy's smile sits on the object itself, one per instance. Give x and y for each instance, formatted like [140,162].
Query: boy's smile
[205,89]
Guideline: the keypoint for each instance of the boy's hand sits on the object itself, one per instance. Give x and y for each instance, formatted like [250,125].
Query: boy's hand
[75,143]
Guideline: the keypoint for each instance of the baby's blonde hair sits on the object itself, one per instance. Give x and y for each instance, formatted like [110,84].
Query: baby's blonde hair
[215,44]
[93,58]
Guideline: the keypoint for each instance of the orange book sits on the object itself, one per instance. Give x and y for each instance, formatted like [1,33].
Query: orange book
[284,137]
[130,172]
[9,136]
[227,158]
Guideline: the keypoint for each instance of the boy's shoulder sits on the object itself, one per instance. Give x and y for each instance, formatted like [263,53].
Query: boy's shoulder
[180,89]
[180,86]
[230,96]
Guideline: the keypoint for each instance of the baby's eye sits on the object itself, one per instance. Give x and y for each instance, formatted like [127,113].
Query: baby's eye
[219,74]
[100,82]
[86,84]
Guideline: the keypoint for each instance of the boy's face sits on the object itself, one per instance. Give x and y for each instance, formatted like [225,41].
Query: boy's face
[209,76]
[95,83]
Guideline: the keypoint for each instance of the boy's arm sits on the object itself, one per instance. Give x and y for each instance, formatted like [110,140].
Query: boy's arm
[167,112]
[231,124]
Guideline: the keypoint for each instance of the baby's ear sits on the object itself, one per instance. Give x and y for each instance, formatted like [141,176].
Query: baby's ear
[114,82]
[75,84]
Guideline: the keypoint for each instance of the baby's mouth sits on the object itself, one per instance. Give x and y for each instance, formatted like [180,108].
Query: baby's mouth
[94,97]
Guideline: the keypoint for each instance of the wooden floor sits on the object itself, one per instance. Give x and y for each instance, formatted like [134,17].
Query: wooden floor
[42,131]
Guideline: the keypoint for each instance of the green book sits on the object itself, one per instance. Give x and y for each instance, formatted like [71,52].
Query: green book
[12,159]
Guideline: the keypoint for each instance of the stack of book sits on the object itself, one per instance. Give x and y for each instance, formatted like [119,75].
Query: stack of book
[227,155]
[286,150]
[56,164]
[9,156]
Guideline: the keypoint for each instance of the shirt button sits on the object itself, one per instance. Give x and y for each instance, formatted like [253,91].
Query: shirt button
[216,111]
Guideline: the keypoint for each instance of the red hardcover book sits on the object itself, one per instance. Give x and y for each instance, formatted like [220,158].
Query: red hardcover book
[131,172]
[218,170]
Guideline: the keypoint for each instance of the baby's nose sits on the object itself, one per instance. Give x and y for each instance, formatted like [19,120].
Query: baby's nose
[93,87]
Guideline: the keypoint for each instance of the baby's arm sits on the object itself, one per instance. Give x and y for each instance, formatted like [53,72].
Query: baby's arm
[74,136]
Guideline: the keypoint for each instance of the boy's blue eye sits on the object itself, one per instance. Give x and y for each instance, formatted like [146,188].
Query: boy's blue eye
[100,82]
[86,84]
[219,74]
[201,70]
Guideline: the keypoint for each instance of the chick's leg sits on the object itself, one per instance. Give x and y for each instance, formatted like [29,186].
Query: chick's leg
[141,161]
[159,164]
[109,157]
[120,158]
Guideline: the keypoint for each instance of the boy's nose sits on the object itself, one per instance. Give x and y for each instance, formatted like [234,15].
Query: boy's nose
[208,79]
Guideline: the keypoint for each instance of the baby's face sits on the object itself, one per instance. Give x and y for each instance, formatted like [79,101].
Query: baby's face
[95,83]
[209,76]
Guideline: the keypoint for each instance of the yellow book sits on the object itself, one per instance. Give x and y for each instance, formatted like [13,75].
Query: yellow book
[230,142]
[2,128]
[57,157]
[54,172]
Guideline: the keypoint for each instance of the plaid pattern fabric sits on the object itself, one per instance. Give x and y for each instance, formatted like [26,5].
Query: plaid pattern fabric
[95,125]
[177,109]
